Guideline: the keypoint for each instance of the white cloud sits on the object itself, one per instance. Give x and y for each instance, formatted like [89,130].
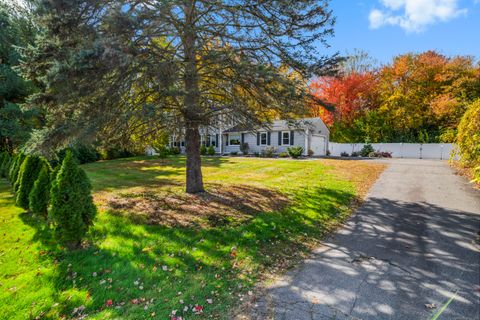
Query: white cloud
[414,15]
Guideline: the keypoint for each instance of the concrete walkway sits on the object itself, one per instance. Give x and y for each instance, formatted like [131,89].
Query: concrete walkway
[406,251]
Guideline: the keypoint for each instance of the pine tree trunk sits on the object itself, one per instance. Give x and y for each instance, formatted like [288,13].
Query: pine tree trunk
[194,162]
[193,110]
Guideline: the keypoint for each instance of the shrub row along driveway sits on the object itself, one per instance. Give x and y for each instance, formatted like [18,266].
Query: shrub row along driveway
[410,247]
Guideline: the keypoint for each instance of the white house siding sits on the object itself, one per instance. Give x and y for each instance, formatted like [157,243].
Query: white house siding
[313,126]
[251,139]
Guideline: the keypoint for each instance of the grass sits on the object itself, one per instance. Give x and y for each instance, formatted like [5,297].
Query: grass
[154,249]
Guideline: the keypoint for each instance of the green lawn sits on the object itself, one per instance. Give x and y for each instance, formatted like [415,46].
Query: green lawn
[154,249]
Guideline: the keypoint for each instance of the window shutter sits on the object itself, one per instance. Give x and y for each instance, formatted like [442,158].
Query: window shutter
[207,137]
[268,138]
[291,137]
[258,138]
[279,138]
[227,140]
[216,140]
[243,138]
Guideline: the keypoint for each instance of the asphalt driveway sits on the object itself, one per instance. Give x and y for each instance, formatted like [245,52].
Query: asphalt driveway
[411,246]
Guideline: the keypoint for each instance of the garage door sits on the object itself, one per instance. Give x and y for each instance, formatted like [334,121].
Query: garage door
[318,145]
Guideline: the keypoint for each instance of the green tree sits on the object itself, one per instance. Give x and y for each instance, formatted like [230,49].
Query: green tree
[72,210]
[120,68]
[16,30]
[27,175]
[39,197]
[468,138]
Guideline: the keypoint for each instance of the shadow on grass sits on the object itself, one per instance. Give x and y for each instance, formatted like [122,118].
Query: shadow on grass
[220,205]
[149,268]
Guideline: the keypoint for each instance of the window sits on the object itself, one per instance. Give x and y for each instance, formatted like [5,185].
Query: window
[183,143]
[212,140]
[286,138]
[234,139]
[263,138]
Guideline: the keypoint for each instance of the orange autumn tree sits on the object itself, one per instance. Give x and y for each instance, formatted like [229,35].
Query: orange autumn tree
[351,95]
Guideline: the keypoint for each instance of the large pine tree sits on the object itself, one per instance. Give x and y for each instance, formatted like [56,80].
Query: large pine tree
[120,67]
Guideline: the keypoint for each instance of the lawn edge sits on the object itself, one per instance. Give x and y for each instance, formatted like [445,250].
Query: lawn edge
[245,310]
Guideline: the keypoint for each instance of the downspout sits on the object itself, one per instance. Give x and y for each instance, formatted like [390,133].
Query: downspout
[305,150]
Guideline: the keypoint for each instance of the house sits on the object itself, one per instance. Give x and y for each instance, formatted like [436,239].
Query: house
[226,136]
[309,133]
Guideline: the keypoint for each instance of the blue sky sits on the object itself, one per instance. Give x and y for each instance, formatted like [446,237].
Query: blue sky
[386,28]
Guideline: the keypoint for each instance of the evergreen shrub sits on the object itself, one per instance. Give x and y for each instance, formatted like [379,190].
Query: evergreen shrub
[72,209]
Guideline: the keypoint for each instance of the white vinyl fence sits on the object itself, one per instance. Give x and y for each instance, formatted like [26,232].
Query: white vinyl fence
[440,151]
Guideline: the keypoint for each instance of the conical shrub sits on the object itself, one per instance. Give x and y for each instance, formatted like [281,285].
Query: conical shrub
[15,168]
[2,158]
[5,160]
[40,195]
[29,171]
[72,210]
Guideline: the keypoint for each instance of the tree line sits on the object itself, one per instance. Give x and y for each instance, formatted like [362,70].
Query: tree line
[418,97]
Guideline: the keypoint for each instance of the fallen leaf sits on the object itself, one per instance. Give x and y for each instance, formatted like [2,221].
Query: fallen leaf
[197,309]
[430,305]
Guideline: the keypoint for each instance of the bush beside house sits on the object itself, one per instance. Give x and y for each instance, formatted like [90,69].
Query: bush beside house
[245,148]
[211,151]
[295,152]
